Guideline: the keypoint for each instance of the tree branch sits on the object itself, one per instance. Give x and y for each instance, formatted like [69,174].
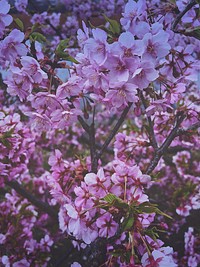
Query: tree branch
[181,14]
[191,128]
[90,130]
[84,124]
[54,28]
[151,133]
[93,153]
[162,149]
[33,200]
[114,131]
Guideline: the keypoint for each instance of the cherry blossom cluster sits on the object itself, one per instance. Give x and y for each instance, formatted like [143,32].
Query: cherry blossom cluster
[16,144]
[19,220]
[86,214]
[66,171]
[6,19]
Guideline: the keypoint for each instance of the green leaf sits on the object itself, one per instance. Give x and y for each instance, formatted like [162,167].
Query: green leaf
[152,233]
[36,36]
[62,45]
[71,59]
[127,223]
[35,27]
[19,24]
[116,202]
[62,54]
[110,198]
[114,25]
[147,207]
[193,32]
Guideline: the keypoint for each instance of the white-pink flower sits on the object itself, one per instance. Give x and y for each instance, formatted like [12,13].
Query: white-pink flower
[107,226]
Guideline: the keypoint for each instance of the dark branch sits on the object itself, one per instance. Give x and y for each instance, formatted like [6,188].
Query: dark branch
[181,14]
[94,160]
[90,130]
[85,139]
[161,150]
[84,124]
[151,133]
[54,28]
[33,200]
[189,129]
[114,131]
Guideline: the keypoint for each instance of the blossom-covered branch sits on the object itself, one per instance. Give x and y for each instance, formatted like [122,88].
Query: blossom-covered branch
[162,149]
[43,206]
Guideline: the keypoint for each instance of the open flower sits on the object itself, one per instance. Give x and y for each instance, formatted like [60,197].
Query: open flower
[107,225]
[144,74]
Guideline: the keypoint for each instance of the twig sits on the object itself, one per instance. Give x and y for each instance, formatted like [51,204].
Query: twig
[90,130]
[181,14]
[151,132]
[84,124]
[93,154]
[191,128]
[34,200]
[175,149]
[114,131]
[54,28]
[162,149]
[85,139]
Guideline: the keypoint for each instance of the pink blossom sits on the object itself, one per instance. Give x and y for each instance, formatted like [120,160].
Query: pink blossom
[83,35]
[63,118]
[96,47]
[84,198]
[175,92]
[70,88]
[156,46]
[107,225]
[19,83]
[5,19]
[44,102]
[95,78]
[46,242]
[134,11]
[2,238]
[183,210]
[21,263]
[127,47]
[32,67]
[40,122]
[75,264]
[12,46]
[77,226]
[21,5]
[56,159]
[119,69]
[159,106]
[159,258]
[98,183]
[5,261]
[122,95]
[137,195]
[145,74]
[38,48]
